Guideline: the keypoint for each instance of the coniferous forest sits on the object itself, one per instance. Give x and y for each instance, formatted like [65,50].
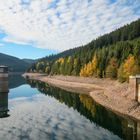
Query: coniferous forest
[115,55]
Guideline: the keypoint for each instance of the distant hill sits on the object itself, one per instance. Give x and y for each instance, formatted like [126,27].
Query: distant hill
[14,64]
[29,61]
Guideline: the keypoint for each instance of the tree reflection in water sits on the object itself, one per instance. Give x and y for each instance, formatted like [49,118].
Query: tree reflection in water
[125,128]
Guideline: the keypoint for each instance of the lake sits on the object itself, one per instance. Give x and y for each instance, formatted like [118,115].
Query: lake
[38,111]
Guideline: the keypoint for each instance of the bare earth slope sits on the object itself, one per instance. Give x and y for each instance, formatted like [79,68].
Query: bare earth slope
[109,93]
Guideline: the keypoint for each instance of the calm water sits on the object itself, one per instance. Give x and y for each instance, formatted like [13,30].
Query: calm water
[38,111]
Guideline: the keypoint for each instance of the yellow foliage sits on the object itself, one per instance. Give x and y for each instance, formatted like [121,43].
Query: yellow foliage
[47,69]
[88,103]
[90,68]
[129,67]
[69,58]
[60,60]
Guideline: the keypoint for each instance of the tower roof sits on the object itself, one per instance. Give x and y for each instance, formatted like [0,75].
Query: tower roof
[3,66]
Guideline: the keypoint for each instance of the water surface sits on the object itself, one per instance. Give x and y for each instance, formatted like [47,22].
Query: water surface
[38,111]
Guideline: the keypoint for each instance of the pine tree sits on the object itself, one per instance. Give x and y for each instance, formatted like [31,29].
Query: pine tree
[111,70]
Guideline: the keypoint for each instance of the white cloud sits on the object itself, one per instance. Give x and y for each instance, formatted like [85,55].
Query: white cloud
[39,117]
[63,24]
[16,41]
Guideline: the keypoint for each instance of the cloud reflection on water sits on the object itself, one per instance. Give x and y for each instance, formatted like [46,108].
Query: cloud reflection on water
[42,117]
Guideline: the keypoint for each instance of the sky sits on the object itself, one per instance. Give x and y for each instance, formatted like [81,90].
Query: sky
[37,28]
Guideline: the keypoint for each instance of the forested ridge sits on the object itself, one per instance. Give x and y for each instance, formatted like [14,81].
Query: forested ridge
[15,64]
[113,55]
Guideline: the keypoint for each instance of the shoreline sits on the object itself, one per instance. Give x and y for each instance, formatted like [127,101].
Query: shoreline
[111,94]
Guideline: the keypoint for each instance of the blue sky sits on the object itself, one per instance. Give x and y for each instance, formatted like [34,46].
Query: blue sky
[23,50]
[36,28]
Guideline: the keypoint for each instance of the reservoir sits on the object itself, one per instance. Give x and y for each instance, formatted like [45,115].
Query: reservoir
[39,111]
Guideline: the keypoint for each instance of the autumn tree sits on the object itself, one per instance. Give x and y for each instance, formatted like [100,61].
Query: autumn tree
[60,60]
[129,67]
[90,68]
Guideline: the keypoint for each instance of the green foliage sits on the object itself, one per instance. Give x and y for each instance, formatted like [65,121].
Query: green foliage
[111,70]
[121,74]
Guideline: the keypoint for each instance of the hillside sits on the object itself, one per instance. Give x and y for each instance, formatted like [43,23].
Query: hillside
[29,61]
[106,56]
[127,32]
[15,64]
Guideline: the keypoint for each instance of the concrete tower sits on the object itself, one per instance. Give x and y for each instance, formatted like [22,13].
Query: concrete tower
[4,91]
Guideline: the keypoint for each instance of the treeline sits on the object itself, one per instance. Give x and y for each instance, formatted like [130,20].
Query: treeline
[114,55]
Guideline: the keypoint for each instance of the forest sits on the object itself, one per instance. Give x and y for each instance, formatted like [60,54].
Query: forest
[115,55]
